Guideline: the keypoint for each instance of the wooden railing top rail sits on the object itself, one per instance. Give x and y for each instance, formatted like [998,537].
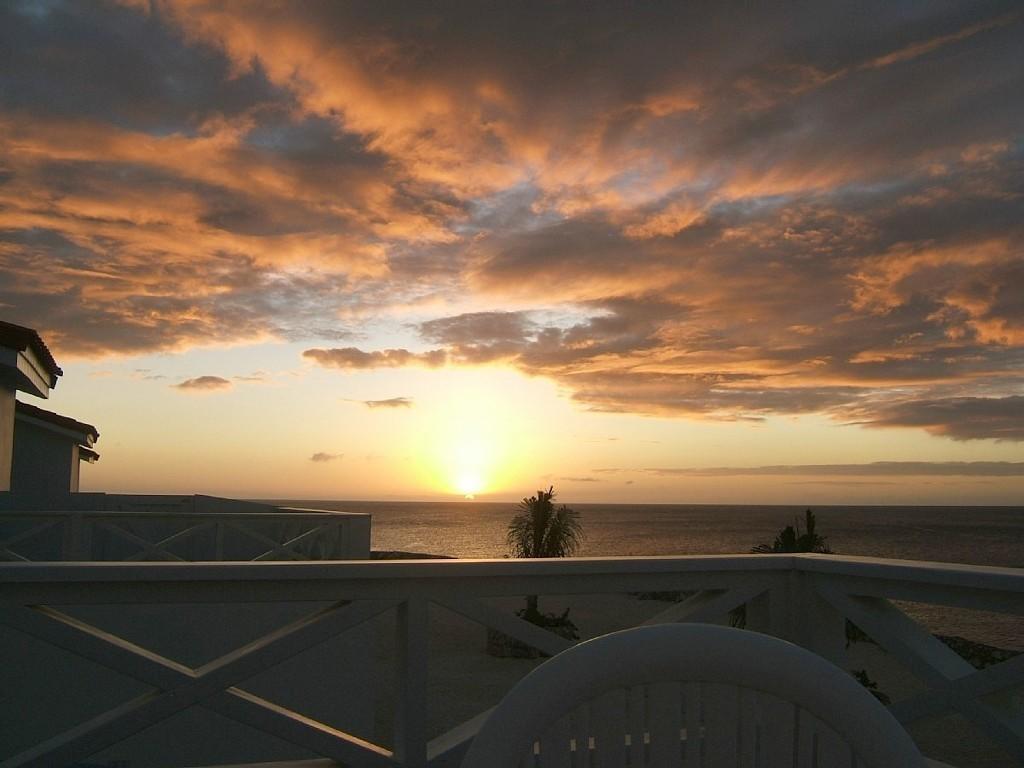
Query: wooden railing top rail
[386,569]
[314,580]
[919,571]
[282,513]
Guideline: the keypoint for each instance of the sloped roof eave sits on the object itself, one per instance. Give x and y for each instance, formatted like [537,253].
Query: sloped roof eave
[87,432]
[20,337]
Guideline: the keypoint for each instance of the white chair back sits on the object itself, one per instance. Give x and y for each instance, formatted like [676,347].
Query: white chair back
[690,696]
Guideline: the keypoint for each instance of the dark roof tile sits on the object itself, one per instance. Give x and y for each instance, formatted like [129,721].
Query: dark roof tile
[20,338]
[56,419]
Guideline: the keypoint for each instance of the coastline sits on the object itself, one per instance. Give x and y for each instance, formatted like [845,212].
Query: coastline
[399,554]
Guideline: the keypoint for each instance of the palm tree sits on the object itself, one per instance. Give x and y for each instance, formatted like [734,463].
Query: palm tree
[542,530]
[792,539]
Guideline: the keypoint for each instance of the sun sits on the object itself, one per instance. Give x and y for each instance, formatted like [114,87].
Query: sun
[468,456]
[469,483]
[460,454]
[470,444]
[479,436]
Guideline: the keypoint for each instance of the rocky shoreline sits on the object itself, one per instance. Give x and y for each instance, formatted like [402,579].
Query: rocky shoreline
[978,655]
[398,554]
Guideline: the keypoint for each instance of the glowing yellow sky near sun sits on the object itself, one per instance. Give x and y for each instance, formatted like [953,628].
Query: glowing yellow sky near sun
[486,431]
[472,444]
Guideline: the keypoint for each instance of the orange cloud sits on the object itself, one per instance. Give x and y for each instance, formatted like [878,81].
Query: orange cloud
[351,358]
[203,384]
[760,226]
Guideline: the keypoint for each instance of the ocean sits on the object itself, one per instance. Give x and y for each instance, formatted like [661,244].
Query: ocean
[977,535]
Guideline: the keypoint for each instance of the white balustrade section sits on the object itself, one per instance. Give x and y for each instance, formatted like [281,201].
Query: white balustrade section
[184,536]
[804,598]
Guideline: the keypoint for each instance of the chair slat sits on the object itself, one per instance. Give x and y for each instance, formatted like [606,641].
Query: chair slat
[721,715]
[608,720]
[581,737]
[748,729]
[777,721]
[807,737]
[636,703]
[833,752]
[664,723]
[555,745]
[694,729]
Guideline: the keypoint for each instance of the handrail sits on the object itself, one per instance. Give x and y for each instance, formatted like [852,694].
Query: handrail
[431,569]
[439,571]
[291,514]
[804,598]
[918,571]
[131,535]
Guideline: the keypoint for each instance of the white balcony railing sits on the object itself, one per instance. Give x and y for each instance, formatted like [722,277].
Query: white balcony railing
[170,528]
[805,598]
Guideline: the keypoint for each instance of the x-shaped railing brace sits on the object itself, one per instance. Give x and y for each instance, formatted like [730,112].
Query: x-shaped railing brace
[179,687]
[22,536]
[277,547]
[954,685]
[150,548]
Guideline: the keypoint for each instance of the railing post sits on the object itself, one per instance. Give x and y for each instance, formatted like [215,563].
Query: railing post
[218,541]
[769,612]
[77,539]
[336,542]
[357,537]
[815,623]
[410,747]
[793,610]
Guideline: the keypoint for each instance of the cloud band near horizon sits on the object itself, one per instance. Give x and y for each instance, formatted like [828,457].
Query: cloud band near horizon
[871,469]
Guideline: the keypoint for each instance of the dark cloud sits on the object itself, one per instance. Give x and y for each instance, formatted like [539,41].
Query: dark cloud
[203,384]
[87,305]
[481,337]
[351,358]
[844,483]
[961,418]
[391,402]
[478,328]
[99,61]
[873,469]
[322,458]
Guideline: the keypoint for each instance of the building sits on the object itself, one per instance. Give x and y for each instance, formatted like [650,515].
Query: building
[48,450]
[26,365]
[44,518]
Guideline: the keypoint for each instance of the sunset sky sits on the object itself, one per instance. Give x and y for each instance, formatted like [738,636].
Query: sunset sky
[653,252]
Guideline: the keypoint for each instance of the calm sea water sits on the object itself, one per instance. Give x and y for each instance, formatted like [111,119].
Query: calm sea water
[978,535]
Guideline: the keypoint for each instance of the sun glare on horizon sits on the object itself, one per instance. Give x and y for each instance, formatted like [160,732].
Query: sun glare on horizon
[473,444]
[469,460]
[469,484]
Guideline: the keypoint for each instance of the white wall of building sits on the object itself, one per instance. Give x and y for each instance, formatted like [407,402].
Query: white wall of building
[42,466]
[6,437]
